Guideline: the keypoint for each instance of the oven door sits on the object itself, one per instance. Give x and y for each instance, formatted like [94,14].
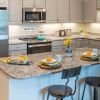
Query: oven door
[38,48]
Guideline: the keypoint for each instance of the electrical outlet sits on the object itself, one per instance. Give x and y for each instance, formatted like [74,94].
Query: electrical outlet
[29,28]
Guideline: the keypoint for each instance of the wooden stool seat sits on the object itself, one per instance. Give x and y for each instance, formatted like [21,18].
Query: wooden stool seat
[93,81]
[59,90]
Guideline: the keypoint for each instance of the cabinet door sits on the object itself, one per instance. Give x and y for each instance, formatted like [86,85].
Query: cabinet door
[80,43]
[51,7]
[16,47]
[15,11]
[40,3]
[63,11]
[3,3]
[16,53]
[28,3]
[31,3]
[89,10]
[75,10]
[98,3]
[94,44]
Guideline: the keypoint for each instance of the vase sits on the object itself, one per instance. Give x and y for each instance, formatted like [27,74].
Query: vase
[69,52]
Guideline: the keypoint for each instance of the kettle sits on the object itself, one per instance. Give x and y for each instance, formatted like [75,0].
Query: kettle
[62,33]
[41,36]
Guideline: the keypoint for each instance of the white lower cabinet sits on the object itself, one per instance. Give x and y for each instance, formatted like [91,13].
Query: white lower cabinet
[58,45]
[94,44]
[58,48]
[17,49]
[20,52]
[80,43]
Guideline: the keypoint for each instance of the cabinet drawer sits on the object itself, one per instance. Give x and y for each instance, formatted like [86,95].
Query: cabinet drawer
[17,47]
[57,43]
[16,53]
[58,48]
[95,42]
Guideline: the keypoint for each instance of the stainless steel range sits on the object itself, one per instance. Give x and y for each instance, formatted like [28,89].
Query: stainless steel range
[37,46]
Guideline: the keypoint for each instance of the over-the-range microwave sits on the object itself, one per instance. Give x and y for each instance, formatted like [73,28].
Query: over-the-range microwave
[35,15]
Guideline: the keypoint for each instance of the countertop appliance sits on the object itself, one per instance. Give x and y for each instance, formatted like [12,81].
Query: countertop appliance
[37,46]
[37,15]
[3,32]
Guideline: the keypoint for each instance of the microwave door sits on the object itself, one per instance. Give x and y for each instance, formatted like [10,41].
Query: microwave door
[32,16]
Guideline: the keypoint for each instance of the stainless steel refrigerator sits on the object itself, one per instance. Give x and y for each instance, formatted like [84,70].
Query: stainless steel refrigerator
[3,32]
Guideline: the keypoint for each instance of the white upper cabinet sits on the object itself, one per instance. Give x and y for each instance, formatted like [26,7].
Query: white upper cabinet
[75,10]
[98,3]
[3,3]
[32,3]
[63,11]
[40,3]
[57,10]
[52,8]
[89,10]
[28,3]
[15,11]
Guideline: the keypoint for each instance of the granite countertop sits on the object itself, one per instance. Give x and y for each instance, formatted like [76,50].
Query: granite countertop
[53,38]
[27,71]
[16,41]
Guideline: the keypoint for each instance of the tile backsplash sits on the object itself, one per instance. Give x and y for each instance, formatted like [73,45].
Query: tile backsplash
[33,29]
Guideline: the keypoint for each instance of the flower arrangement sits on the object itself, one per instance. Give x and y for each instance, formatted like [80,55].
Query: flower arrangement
[68,41]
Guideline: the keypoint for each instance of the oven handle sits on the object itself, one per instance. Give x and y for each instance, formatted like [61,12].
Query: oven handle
[39,45]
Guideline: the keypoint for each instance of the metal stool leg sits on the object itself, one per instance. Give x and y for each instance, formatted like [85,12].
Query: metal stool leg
[71,97]
[95,94]
[48,96]
[83,91]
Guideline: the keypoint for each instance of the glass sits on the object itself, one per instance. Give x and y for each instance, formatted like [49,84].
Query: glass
[95,51]
[59,58]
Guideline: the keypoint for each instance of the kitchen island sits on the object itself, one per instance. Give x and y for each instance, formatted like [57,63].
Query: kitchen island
[30,82]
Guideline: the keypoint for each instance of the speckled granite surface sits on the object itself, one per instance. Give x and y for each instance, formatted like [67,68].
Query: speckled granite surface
[27,71]
[53,38]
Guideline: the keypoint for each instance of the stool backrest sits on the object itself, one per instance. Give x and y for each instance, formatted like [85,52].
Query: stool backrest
[69,73]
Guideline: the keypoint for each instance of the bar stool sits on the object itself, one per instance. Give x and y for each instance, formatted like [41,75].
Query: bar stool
[62,91]
[93,82]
